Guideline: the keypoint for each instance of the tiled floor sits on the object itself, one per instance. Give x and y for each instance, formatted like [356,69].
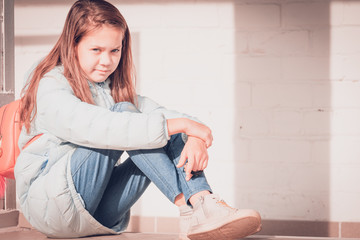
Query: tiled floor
[26,234]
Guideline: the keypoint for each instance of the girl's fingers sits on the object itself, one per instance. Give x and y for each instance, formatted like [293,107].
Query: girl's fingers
[189,176]
[204,165]
[189,168]
[182,160]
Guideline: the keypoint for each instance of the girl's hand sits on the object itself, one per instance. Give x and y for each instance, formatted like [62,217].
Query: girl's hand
[190,128]
[195,152]
[199,130]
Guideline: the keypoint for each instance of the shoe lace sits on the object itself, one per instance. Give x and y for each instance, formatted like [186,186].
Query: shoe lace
[224,204]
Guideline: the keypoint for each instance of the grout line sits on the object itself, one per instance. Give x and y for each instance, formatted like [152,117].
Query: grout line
[340,231]
[155,224]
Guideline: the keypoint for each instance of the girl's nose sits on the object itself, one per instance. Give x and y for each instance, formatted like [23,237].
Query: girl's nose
[105,59]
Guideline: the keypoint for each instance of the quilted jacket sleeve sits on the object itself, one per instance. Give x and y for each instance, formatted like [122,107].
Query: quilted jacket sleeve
[147,105]
[61,113]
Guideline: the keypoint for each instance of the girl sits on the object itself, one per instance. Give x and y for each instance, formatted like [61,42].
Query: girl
[81,105]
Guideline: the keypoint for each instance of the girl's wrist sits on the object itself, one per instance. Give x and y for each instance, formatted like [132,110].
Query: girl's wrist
[177,125]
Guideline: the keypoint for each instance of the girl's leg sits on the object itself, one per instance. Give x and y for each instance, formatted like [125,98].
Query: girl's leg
[108,192]
[126,185]
[163,164]
[91,170]
[95,177]
[130,179]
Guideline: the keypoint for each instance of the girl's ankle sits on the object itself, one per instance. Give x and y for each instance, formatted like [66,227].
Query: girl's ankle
[197,196]
[180,200]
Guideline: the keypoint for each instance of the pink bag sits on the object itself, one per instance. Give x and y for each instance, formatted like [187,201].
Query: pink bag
[10,128]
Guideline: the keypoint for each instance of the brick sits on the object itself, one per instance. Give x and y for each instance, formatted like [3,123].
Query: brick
[299,228]
[142,15]
[242,150]
[346,122]
[211,94]
[351,13]
[344,151]
[280,151]
[257,16]
[344,40]
[234,42]
[253,122]
[152,41]
[9,218]
[286,123]
[169,93]
[222,162]
[282,95]
[207,40]
[195,66]
[194,41]
[149,68]
[279,204]
[261,177]
[339,151]
[317,123]
[345,205]
[175,12]
[242,94]
[336,94]
[280,43]
[343,177]
[322,95]
[306,14]
[337,13]
[308,68]
[350,229]
[167,225]
[141,224]
[55,18]
[229,69]
[351,67]
[226,14]
[337,69]
[309,178]
[321,151]
[345,94]
[321,42]
[259,68]
[339,122]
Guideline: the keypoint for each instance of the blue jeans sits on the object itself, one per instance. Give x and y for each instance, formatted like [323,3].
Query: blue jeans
[109,190]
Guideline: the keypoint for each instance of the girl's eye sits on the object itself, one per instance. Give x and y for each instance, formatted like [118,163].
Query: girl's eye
[115,50]
[95,50]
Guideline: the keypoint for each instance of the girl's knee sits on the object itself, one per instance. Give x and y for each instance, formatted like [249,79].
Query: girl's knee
[124,107]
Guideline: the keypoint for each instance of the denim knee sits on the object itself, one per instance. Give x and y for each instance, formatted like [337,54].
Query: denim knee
[124,107]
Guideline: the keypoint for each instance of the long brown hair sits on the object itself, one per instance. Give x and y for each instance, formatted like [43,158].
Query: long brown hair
[84,16]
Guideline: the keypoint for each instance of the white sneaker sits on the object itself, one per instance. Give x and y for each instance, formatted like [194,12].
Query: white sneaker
[214,219]
[185,221]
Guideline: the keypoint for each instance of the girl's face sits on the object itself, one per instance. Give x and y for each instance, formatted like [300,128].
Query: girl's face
[99,52]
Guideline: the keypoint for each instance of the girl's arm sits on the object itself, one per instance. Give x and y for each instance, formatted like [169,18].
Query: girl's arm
[194,153]
[62,114]
[190,128]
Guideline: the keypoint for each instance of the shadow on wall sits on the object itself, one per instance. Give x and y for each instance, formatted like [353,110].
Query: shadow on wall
[282,106]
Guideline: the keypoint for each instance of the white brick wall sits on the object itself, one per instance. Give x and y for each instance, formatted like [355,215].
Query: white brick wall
[276,80]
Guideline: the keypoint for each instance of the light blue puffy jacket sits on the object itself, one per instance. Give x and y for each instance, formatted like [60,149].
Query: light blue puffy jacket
[44,185]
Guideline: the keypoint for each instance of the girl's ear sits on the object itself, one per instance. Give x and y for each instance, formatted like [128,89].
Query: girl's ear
[76,51]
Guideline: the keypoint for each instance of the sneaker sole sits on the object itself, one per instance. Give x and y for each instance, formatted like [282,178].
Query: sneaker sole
[233,229]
